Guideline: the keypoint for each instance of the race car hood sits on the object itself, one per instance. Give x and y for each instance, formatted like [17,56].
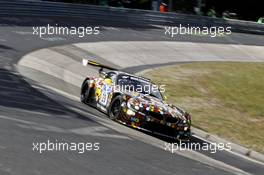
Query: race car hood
[153,104]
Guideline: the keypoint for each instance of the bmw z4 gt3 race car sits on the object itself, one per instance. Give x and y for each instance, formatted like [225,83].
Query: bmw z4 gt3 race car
[116,93]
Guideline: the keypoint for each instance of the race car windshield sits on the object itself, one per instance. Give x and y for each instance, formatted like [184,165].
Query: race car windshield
[130,83]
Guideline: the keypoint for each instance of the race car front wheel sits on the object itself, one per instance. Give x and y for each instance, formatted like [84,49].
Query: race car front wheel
[115,108]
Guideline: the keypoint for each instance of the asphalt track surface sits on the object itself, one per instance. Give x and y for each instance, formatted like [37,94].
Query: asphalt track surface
[30,113]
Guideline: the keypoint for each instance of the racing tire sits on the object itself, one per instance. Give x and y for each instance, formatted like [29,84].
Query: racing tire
[115,108]
[86,93]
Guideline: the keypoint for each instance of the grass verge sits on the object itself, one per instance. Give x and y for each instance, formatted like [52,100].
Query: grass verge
[226,99]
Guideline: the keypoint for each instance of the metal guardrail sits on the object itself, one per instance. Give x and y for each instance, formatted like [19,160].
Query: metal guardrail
[132,16]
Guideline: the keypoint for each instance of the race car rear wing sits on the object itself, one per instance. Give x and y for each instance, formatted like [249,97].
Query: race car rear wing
[86,62]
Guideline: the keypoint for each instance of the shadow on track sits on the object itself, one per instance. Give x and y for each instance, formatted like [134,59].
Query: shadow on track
[16,93]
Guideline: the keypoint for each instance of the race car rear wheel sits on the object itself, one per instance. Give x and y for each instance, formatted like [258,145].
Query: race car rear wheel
[115,108]
[85,93]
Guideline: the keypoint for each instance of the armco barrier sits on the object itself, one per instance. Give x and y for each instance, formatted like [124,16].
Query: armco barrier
[138,17]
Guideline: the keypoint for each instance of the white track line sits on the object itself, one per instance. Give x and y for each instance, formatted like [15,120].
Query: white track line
[234,153]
